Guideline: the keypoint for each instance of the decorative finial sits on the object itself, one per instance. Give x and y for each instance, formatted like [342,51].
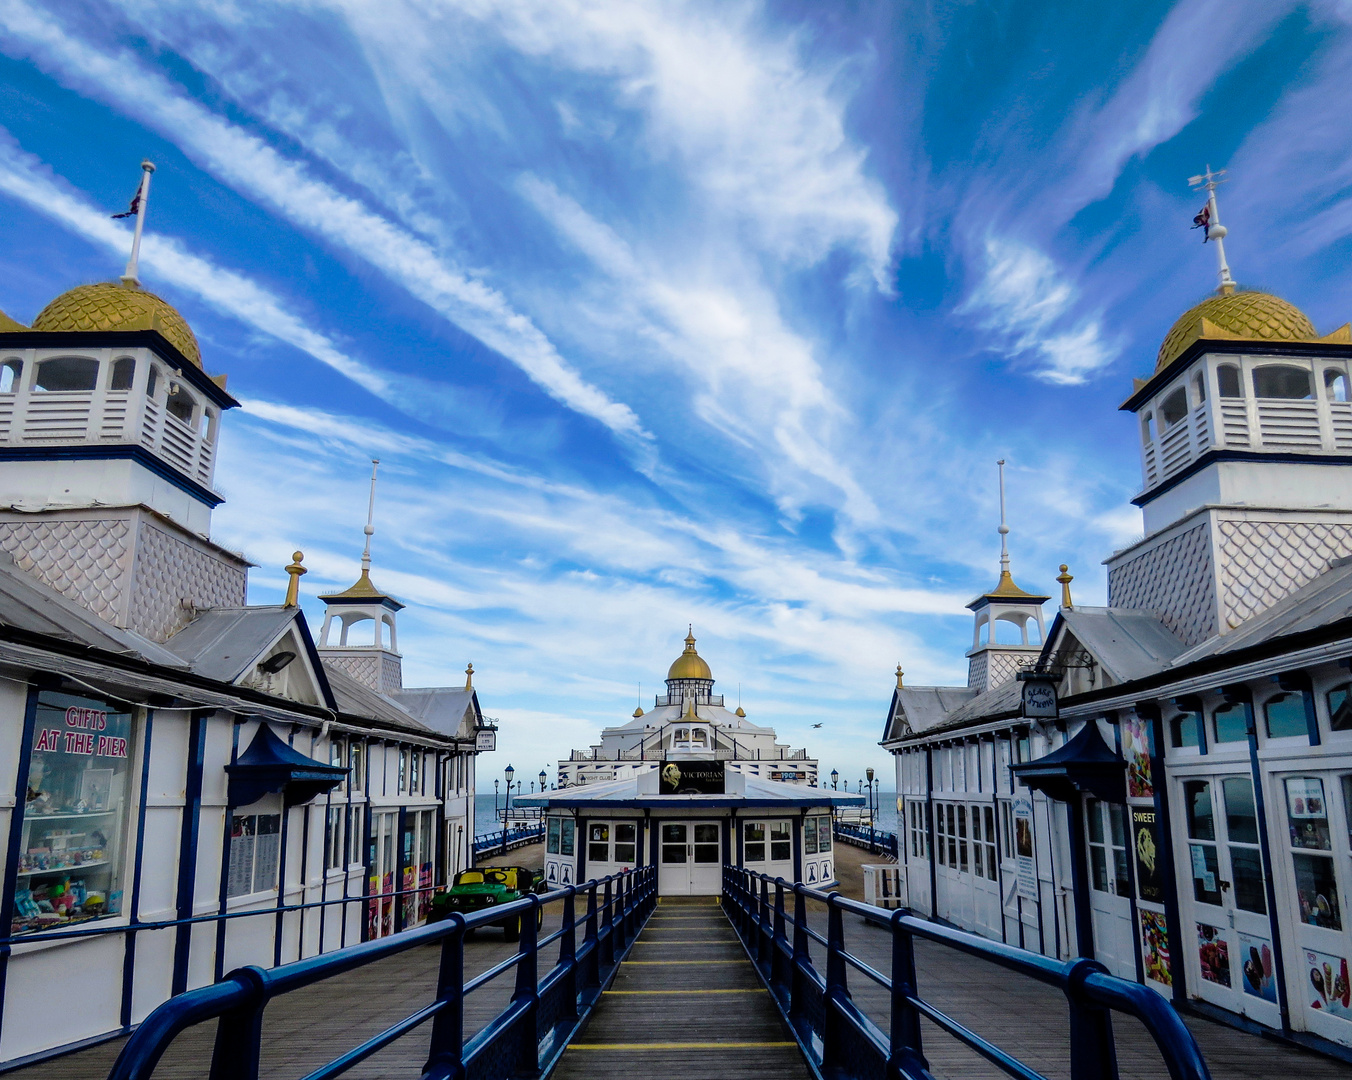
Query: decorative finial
[1065,579]
[370,521]
[638,712]
[740,713]
[1004,529]
[296,571]
[899,674]
[690,639]
[469,677]
[138,207]
[1209,221]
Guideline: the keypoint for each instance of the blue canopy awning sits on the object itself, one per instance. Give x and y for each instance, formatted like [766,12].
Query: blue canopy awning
[1084,764]
[269,765]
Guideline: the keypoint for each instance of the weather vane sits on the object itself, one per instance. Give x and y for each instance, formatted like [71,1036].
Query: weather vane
[1208,220]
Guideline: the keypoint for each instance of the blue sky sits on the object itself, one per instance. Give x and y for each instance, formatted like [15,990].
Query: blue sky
[716,313]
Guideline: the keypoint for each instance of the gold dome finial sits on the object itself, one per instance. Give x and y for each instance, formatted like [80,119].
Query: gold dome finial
[296,570]
[469,677]
[638,712]
[689,665]
[740,713]
[106,305]
[1064,579]
[899,674]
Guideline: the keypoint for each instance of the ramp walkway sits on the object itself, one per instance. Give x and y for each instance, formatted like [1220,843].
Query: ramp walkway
[685,1002]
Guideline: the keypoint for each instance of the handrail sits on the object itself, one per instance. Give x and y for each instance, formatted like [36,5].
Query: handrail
[839,1040]
[875,840]
[526,1037]
[487,843]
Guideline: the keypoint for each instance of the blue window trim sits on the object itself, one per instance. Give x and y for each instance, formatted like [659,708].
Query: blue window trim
[190,825]
[134,909]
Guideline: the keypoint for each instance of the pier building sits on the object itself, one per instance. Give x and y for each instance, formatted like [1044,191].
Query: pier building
[688,719]
[1166,784]
[188,782]
[688,788]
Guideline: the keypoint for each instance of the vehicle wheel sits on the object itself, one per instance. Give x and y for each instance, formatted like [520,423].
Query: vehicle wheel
[511,930]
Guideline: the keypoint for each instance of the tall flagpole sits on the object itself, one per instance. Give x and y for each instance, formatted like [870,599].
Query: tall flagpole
[129,278]
[370,520]
[1004,528]
[1208,182]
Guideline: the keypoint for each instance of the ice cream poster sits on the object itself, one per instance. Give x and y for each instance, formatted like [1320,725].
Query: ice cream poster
[1214,953]
[1326,984]
[1136,749]
[1255,964]
[1155,947]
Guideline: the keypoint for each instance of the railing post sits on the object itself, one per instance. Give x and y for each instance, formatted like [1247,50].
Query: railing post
[779,944]
[591,957]
[801,963]
[1093,1054]
[446,1059]
[837,988]
[568,955]
[764,938]
[239,1032]
[621,920]
[528,990]
[607,927]
[905,1057]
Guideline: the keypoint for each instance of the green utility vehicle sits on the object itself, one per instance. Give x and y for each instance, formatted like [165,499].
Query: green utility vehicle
[490,886]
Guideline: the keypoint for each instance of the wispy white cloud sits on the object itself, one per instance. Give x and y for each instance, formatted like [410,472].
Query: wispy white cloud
[1026,300]
[248,163]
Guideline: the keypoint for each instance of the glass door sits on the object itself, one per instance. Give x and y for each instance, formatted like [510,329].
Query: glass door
[1318,849]
[673,869]
[1227,936]
[1110,887]
[380,910]
[706,850]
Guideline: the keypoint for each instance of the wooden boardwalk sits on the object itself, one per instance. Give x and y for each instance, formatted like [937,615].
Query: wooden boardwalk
[686,1002]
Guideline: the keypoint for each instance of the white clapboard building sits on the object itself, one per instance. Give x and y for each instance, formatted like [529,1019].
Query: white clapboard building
[1185,814]
[169,752]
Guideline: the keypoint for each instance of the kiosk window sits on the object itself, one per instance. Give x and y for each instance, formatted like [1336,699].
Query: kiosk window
[1312,859]
[626,843]
[810,836]
[1186,730]
[781,841]
[673,843]
[567,828]
[70,851]
[1286,715]
[753,841]
[552,840]
[1229,721]
[824,834]
[598,841]
[1202,848]
[1340,707]
[255,848]
[1241,827]
[707,845]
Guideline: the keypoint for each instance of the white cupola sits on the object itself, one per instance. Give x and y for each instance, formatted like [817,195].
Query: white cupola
[1245,429]
[108,436]
[359,633]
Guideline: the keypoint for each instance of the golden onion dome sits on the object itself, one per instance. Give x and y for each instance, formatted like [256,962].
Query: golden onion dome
[1253,316]
[107,305]
[10,326]
[689,665]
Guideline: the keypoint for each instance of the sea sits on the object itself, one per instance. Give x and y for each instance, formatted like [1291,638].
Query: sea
[488,818]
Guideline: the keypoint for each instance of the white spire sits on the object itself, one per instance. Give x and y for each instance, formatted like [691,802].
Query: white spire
[1208,182]
[370,519]
[129,277]
[1004,529]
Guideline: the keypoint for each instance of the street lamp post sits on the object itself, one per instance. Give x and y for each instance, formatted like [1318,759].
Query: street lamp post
[835,778]
[509,772]
[872,817]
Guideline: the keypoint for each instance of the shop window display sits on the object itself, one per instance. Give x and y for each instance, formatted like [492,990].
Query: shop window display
[255,847]
[1312,858]
[71,846]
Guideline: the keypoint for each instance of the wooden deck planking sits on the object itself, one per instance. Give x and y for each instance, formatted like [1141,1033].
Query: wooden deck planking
[1029,1020]
[688,1003]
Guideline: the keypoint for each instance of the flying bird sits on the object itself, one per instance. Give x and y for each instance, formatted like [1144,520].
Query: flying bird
[816,725]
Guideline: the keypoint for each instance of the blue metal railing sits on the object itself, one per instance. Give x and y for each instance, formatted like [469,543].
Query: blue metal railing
[525,1038]
[875,841]
[520,836]
[839,1040]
